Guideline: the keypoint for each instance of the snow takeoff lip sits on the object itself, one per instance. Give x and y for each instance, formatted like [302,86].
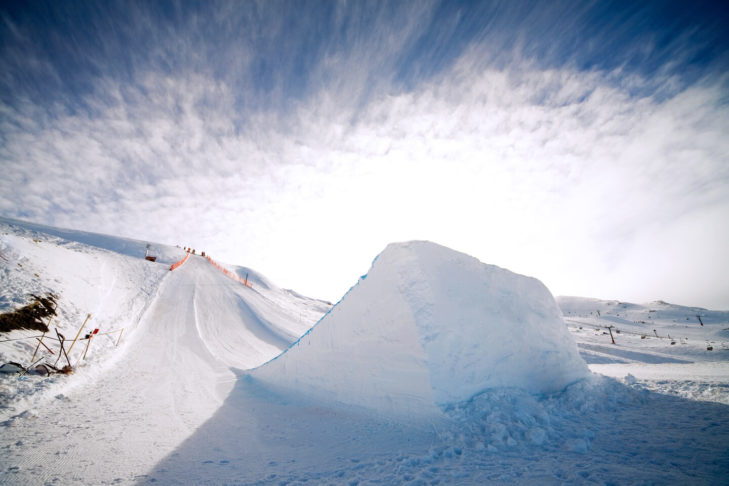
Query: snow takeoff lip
[428,327]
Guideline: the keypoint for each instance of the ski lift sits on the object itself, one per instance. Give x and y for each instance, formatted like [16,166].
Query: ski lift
[149,257]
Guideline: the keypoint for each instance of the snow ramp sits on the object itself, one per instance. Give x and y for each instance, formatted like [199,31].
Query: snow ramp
[428,327]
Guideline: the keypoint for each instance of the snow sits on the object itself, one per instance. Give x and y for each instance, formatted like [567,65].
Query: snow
[662,347]
[114,289]
[428,327]
[117,289]
[124,246]
[177,403]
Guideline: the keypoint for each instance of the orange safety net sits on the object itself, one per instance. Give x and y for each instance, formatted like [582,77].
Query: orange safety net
[230,274]
[177,264]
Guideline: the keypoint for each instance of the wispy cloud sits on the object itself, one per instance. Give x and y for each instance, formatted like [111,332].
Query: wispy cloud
[300,138]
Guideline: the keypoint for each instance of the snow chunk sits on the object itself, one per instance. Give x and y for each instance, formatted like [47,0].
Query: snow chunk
[428,327]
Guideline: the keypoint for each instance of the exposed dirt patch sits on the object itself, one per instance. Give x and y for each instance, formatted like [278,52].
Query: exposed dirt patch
[30,316]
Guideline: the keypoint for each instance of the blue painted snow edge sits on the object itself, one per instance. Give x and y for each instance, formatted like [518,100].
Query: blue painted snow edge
[362,278]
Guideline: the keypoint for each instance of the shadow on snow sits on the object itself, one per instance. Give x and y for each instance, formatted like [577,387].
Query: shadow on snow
[595,431]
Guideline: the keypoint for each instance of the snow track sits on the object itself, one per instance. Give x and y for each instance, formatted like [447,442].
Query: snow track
[232,328]
[174,374]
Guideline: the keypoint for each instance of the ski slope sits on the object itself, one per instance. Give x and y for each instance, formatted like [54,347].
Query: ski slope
[672,349]
[176,404]
[175,372]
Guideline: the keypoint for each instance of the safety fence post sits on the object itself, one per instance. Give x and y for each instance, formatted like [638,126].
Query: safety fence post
[88,316]
[88,344]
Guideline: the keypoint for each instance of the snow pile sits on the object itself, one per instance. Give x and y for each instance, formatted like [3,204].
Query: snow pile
[428,327]
[512,419]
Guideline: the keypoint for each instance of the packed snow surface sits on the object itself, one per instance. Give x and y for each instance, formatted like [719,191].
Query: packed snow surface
[428,327]
[679,350]
[243,327]
[171,403]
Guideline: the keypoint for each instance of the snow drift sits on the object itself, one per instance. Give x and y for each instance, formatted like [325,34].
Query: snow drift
[428,327]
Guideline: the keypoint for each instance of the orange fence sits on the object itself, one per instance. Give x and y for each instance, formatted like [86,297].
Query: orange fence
[177,264]
[230,274]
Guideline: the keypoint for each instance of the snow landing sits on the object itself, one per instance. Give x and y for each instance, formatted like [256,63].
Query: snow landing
[428,327]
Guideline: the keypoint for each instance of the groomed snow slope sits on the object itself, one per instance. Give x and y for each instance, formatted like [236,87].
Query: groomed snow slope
[428,327]
[125,409]
[244,327]
[166,407]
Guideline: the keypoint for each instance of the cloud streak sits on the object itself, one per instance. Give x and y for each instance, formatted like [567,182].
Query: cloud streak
[301,137]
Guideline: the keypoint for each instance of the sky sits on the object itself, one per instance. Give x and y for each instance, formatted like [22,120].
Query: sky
[582,143]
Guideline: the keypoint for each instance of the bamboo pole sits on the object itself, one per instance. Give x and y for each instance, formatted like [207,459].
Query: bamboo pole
[88,316]
[91,336]
[45,346]
[83,357]
[40,341]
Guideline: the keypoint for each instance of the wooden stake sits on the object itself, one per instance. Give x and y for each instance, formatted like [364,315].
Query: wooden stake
[88,344]
[91,336]
[60,352]
[60,340]
[88,316]
[40,341]
[44,345]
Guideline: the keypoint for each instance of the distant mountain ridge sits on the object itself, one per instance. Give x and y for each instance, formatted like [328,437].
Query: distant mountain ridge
[119,244]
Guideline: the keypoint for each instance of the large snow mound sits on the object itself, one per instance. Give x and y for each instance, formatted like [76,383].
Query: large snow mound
[428,327]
